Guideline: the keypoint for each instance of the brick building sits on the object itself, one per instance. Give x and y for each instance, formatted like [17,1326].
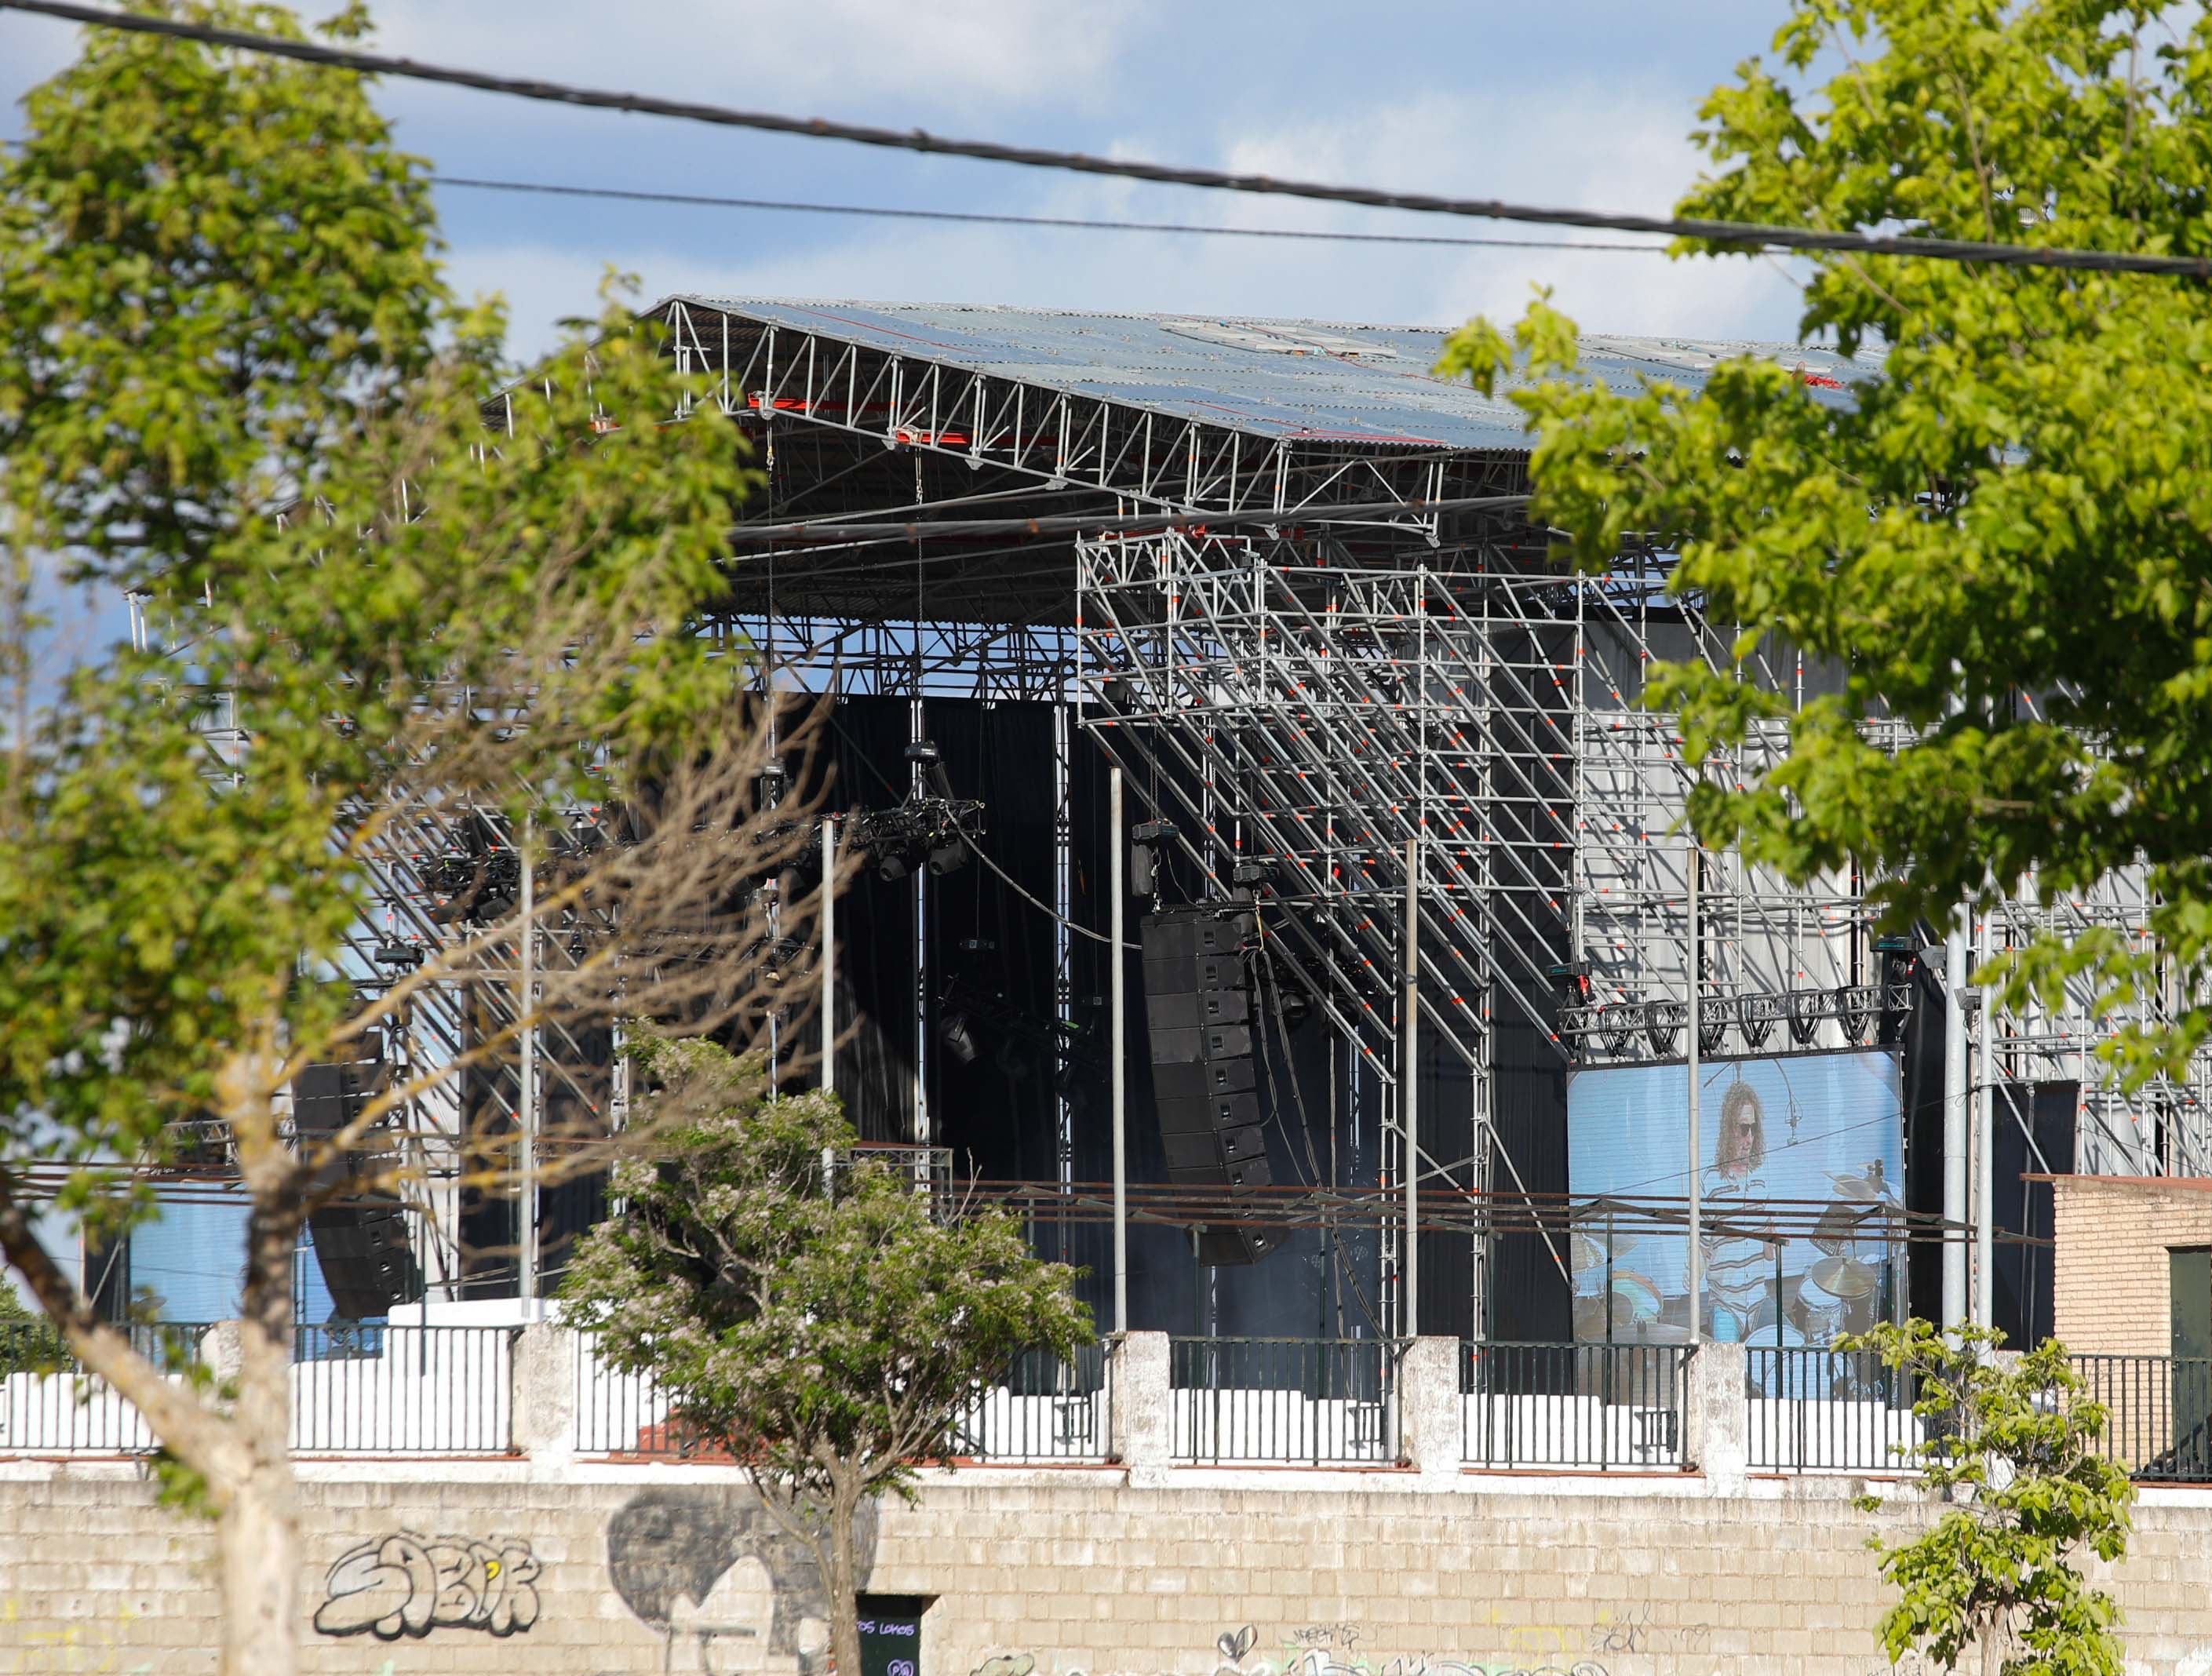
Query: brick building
[2133,1268]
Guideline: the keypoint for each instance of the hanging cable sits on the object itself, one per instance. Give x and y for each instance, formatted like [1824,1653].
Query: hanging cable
[1740,234]
[1049,912]
[1073,223]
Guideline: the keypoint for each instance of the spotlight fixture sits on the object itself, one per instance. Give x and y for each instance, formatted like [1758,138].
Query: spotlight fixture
[1756,1017]
[954,1031]
[1616,1027]
[1805,1011]
[1715,1014]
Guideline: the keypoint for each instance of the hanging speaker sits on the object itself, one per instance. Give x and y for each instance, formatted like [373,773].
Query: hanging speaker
[1199,1023]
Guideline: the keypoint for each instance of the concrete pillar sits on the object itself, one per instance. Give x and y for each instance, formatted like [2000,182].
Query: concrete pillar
[1430,1414]
[1143,1403]
[1717,1432]
[542,1371]
[221,1352]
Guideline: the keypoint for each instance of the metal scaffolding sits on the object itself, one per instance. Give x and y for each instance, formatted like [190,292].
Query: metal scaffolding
[1309,695]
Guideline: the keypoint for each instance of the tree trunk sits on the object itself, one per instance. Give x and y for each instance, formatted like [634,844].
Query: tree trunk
[838,1586]
[260,1536]
[260,1518]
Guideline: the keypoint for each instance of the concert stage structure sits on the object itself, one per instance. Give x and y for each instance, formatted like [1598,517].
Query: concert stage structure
[1277,580]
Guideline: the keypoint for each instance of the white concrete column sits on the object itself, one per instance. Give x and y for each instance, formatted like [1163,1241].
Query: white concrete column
[1430,1413]
[222,1350]
[1957,1209]
[541,1374]
[1143,1404]
[1715,1432]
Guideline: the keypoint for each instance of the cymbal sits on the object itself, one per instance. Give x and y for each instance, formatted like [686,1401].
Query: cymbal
[1842,1277]
[1838,1224]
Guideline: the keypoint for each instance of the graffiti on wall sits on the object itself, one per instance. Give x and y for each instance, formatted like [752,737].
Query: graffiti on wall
[1322,1649]
[669,1546]
[409,1585]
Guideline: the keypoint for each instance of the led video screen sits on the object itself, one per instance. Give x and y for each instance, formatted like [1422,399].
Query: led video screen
[1801,1170]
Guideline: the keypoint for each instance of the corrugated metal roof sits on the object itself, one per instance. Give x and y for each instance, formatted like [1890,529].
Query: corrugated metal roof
[1316,379]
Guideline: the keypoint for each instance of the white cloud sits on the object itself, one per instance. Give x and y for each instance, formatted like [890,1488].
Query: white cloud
[1591,147]
[1586,147]
[957,52]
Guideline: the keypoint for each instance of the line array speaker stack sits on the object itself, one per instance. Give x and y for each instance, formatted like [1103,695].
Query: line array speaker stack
[361,1237]
[1199,1018]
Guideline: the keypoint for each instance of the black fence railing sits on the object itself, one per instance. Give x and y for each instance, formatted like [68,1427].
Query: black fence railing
[1048,1408]
[1827,1411]
[402,1390]
[2158,1414]
[1319,1402]
[622,1414]
[48,1405]
[1580,1407]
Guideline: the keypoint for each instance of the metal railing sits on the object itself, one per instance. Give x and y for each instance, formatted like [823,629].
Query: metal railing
[2158,1413]
[629,1414]
[48,1405]
[1827,1411]
[1046,1410]
[1579,1407]
[402,1390]
[1318,1401]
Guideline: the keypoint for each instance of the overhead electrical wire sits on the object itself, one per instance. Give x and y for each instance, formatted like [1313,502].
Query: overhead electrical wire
[1077,222]
[1740,234]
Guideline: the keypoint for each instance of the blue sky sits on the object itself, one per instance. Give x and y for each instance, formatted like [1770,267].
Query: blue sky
[1586,102]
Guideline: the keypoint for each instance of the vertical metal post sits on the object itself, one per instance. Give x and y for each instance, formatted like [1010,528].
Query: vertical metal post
[1118,966]
[525,1002]
[1985,1206]
[1409,1079]
[829,1002]
[1693,1271]
[917,783]
[1954,1128]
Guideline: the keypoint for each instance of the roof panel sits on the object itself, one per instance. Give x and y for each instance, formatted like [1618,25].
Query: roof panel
[1297,378]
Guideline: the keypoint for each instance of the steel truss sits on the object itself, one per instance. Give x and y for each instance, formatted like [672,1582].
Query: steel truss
[1304,717]
[1304,700]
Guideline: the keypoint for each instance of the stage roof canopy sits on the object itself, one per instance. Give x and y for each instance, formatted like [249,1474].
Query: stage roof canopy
[1295,379]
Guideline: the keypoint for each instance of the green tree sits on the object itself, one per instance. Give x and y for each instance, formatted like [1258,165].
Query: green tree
[2002,539]
[29,1344]
[815,1313]
[2013,1442]
[233,383]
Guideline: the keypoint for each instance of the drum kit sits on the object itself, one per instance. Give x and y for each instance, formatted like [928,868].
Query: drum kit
[1838,1293]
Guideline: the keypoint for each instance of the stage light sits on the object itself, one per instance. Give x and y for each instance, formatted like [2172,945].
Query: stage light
[948,858]
[1143,870]
[959,1040]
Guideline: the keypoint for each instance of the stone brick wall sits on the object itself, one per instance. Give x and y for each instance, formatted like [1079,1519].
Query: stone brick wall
[2109,1277]
[583,1570]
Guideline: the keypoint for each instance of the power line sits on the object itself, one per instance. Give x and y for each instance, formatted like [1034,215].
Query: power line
[1738,234]
[1085,224]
